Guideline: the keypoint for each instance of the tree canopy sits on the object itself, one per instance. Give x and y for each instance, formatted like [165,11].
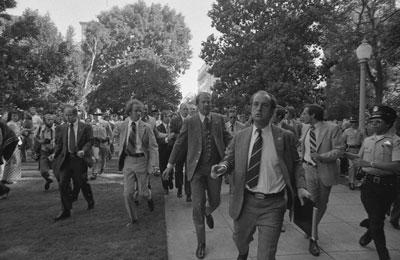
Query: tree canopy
[144,80]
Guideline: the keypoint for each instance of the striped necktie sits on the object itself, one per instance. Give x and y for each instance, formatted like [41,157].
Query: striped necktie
[313,141]
[131,145]
[253,171]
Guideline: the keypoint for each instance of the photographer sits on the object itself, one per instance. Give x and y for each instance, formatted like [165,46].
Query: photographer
[44,147]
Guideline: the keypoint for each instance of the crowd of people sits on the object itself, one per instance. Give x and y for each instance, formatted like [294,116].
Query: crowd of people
[269,160]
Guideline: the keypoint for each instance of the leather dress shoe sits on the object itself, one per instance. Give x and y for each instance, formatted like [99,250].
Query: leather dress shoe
[210,221]
[365,239]
[90,205]
[351,186]
[188,199]
[64,215]
[179,194]
[201,251]
[131,224]
[395,224]
[150,204]
[314,248]
[47,184]
[243,257]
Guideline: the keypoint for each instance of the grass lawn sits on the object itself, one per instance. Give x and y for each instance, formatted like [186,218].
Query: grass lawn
[28,231]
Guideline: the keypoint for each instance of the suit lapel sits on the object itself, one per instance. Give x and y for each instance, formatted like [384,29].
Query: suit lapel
[124,131]
[279,147]
[321,134]
[244,146]
[197,126]
[80,132]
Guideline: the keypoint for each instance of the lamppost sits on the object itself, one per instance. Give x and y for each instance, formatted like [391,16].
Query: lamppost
[363,52]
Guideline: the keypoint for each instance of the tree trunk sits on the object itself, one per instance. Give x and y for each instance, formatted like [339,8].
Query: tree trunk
[89,72]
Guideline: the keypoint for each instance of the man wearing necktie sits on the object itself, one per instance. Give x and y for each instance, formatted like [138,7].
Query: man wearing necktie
[322,145]
[72,146]
[138,157]
[265,166]
[202,141]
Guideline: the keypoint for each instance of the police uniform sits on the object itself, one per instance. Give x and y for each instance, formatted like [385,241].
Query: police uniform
[379,187]
[353,139]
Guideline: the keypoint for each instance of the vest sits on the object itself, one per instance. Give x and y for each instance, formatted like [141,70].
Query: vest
[209,152]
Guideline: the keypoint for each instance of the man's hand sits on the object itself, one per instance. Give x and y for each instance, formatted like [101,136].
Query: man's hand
[316,157]
[361,163]
[51,157]
[156,171]
[166,173]
[218,170]
[303,193]
[80,153]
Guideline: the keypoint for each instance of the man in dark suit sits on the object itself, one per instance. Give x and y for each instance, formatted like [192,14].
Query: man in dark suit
[175,127]
[202,142]
[265,165]
[73,144]
[164,149]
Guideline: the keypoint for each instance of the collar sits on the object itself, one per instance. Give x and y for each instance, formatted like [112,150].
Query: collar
[130,121]
[267,128]
[202,117]
[318,125]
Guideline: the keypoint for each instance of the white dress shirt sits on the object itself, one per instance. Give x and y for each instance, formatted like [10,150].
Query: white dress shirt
[270,179]
[202,117]
[138,142]
[307,144]
[76,134]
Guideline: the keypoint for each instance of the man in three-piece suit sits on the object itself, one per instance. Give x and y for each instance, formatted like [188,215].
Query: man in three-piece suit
[138,157]
[73,145]
[202,142]
[175,127]
[165,148]
[265,165]
[321,146]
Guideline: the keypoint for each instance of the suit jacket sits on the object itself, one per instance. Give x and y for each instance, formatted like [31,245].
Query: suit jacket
[189,144]
[236,160]
[84,142]
[330,147]
[149,144]
[175,126]
[164,149]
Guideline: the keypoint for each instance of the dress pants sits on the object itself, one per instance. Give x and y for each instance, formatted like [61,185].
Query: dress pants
[73,168]
[200,184]
[136,180]
[181,179]
[267,216]
[352,169]
[377,200]
[395,213]
[319,192]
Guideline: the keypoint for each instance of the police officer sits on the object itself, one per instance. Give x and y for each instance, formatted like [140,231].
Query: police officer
[379,158]
[353,138]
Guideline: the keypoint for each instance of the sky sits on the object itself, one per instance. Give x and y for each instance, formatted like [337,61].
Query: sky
[70,12]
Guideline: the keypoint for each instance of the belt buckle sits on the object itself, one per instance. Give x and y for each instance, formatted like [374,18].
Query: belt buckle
[376,179]
[259,196]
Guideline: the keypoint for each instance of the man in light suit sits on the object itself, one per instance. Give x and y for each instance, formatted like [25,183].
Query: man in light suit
[138,157]
[322,145]
[202,142]
[72,151]
[265,165]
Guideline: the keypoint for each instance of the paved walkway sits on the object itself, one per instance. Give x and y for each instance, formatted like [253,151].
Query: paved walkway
[339,232]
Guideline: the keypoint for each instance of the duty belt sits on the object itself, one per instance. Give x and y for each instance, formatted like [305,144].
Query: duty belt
[385,180]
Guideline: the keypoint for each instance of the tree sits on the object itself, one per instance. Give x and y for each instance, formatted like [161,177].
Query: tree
[375,20]
[144,79]
[34,64]
[267,45]
[6,4]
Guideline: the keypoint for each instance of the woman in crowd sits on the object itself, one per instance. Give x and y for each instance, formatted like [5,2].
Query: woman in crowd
[12,168]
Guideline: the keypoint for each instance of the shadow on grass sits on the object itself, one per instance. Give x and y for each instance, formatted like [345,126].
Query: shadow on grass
[28,231]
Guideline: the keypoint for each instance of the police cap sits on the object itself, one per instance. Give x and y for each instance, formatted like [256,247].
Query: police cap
[385,113]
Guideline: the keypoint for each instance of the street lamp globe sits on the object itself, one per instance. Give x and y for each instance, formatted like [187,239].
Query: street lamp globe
[364,51]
